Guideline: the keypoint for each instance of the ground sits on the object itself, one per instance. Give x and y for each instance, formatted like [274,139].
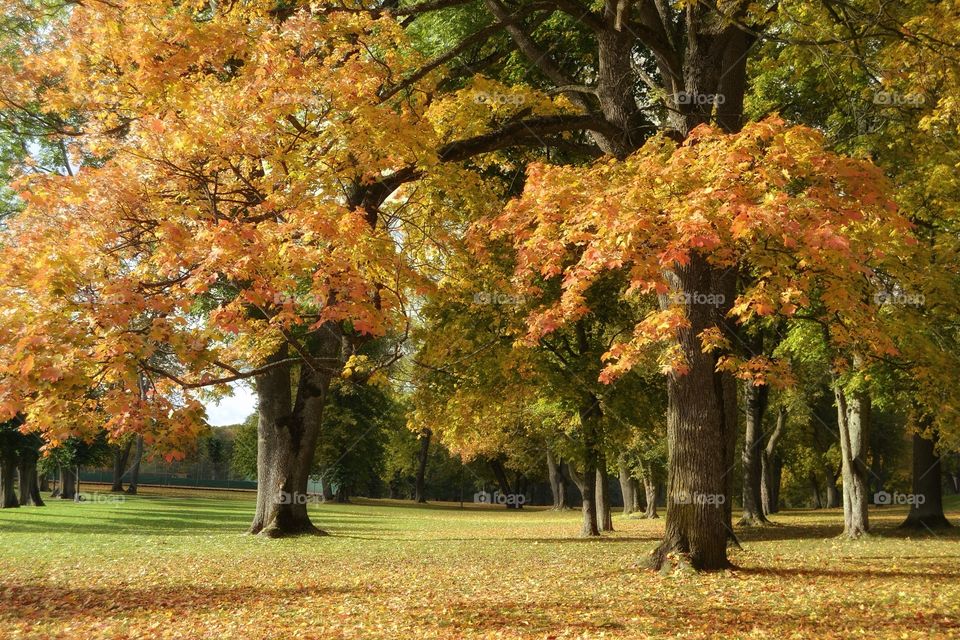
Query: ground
[170,566]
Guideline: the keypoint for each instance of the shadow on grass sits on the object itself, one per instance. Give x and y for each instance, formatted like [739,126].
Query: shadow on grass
[46,602]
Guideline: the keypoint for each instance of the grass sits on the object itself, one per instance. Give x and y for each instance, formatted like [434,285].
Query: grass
[157,566]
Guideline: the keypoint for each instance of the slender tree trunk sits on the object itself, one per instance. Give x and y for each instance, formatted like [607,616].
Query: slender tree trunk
[854,420]
[626,485]
[44,482]
[557,488]
[286,440]
[755,400]
[68,482]
[769,463]
[926,513]
[604,515]
[701,431]
[588,486]
[420,491]
[121,456]
[326,491]
[29,488]
[650,493]
[134,481]
[8,474]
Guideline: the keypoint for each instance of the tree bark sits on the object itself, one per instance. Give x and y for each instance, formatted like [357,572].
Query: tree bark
[121,454]
[134,482]
[8,474]
[29,488]
[68,482]
[557,485]
[755,401]
[626,485]
[637,497]
[853,418]
[701,430]
[604,512]
[420,492]
[926,513]
[589,413]
[287,435]
[650,493]
[815,501]
[770,467]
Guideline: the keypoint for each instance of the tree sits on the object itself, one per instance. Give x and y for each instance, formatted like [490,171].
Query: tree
[750,199]
[229,229]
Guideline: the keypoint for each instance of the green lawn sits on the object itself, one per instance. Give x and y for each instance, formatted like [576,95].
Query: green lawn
[157,566]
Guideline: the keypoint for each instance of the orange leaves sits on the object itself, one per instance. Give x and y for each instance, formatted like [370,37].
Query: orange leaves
[771,202]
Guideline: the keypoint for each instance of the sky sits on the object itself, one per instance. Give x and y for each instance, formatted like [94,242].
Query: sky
[232,410]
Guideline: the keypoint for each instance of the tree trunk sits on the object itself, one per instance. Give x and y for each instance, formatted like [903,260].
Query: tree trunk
[8,474]
[45,482]
[926,513]
[626,485]
[503,482]
[770,467]
[29,488]
[557,488]
[68,482]
[701,429]
[287,435]
[755,401]
[121,455]
[637,496]
[604,512]
[420,492]
[134,480]
[853,419]
[650,493]
[589,414]
[326,491]
[815,501]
